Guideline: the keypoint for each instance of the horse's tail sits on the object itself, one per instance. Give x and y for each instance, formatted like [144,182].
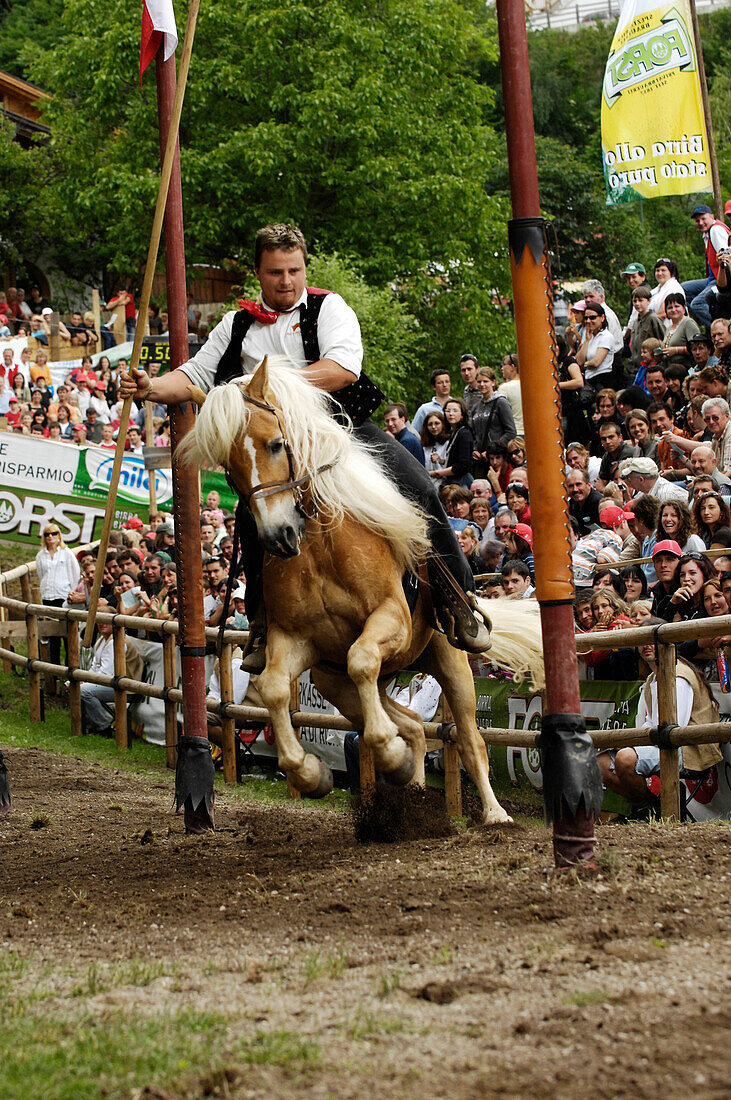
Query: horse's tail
[517,643]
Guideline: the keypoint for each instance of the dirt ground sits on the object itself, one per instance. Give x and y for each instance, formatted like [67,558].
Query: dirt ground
[457,967]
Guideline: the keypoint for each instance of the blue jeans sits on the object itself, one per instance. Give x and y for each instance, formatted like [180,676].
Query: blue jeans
[699,293]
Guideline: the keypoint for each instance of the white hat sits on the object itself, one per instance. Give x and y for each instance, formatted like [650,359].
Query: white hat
[645,467]
[239,593]
[47,312]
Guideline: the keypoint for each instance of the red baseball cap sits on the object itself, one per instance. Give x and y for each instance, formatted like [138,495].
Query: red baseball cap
[524,531]
[613,515]
[667,546]
[134,523]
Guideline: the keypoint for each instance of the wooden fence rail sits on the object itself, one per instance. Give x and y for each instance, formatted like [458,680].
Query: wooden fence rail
[35,617]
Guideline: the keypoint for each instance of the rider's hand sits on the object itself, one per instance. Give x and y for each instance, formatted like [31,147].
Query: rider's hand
[136,385]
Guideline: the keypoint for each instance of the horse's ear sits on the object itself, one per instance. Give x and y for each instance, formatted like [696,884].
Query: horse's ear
[259,385]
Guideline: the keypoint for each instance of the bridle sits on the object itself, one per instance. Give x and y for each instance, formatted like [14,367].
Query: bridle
[295,484]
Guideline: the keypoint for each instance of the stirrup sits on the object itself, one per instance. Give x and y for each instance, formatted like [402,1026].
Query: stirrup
[457,612]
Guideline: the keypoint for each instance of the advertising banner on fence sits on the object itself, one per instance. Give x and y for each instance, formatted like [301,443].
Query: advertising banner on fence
[43,481]
[606,705]
[654,140]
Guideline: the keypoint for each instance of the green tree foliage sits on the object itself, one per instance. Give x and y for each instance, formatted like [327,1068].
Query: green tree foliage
[26,25]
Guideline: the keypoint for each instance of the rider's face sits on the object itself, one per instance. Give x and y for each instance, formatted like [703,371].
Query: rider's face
[281,276]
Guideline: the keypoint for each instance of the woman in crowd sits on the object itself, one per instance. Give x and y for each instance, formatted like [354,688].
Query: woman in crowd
[492,420]
[687,600]
[638,427]
[570,383]
[596,354]
[609,578]
[710,512]
[21,389]
[58,573]
[162,438]
[468,539]
[578,458]
[517,499]
[668,282]
[674,521]
[676,344]
[704,651]
[635,584]
[39,420]
[104,372]
[605,412]
[41,368]
[434,439]
[516,452]
[460,446]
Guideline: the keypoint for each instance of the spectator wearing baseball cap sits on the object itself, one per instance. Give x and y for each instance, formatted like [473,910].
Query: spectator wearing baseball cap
[700,294]
[666,557]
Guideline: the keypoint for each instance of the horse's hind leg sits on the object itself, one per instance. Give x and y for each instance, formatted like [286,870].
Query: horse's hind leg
[385,634]
[287,658]
[450,668]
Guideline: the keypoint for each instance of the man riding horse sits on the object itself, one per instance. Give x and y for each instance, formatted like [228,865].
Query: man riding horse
[320,334]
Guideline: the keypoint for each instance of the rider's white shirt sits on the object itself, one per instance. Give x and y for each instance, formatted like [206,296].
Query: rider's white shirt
[338,333]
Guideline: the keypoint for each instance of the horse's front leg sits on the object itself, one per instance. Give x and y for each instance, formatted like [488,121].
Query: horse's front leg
[450,668]
[386,633]
[287,657]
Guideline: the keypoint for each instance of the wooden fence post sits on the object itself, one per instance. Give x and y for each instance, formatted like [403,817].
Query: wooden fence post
[4,641]
[120,697]
[171,708]
[228,725]
[452,773]
[294,704]
[73,656]
[667,711]
[34,679]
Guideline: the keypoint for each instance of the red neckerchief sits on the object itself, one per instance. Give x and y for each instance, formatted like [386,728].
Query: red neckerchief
[257,311]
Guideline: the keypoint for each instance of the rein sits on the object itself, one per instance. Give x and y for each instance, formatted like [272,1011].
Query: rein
[271,488]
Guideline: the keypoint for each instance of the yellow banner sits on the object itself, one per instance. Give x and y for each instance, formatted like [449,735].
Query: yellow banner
[654,139]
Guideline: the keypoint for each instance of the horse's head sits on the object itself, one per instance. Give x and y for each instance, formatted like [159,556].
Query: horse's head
[262,470]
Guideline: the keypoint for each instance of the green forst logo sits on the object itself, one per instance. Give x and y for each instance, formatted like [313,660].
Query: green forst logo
[656,51]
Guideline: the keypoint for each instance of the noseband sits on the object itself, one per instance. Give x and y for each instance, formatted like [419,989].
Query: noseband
[271,488]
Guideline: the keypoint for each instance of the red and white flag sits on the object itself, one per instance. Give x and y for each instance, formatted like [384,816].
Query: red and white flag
[158,23]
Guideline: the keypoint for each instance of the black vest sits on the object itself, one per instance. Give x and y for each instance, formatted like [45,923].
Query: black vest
[358,400]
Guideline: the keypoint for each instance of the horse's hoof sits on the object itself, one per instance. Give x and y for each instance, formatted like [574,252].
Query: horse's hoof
[324,785]
[497,817]
[404,773]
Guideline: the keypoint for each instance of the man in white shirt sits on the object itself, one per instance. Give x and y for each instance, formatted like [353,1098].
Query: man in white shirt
[642,475]
[320,334]
[97,717]
[593,291]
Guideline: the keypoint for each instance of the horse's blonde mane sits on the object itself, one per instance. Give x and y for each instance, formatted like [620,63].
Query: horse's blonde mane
[355,485]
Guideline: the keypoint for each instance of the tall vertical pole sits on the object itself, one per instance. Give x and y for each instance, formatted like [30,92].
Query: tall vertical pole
[195,774]
[571,780]
[712,158]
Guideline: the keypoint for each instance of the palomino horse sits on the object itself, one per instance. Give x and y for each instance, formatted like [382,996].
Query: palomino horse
[339,538]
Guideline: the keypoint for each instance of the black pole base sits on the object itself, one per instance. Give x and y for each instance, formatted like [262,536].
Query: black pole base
[194,775]
[5,799]
[572,788]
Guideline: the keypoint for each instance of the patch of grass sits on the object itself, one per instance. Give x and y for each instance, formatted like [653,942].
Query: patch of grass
[316,965]
[366,1024]
[443,956]
[279,1048]
[389,983]
[100,978]
[583,997]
